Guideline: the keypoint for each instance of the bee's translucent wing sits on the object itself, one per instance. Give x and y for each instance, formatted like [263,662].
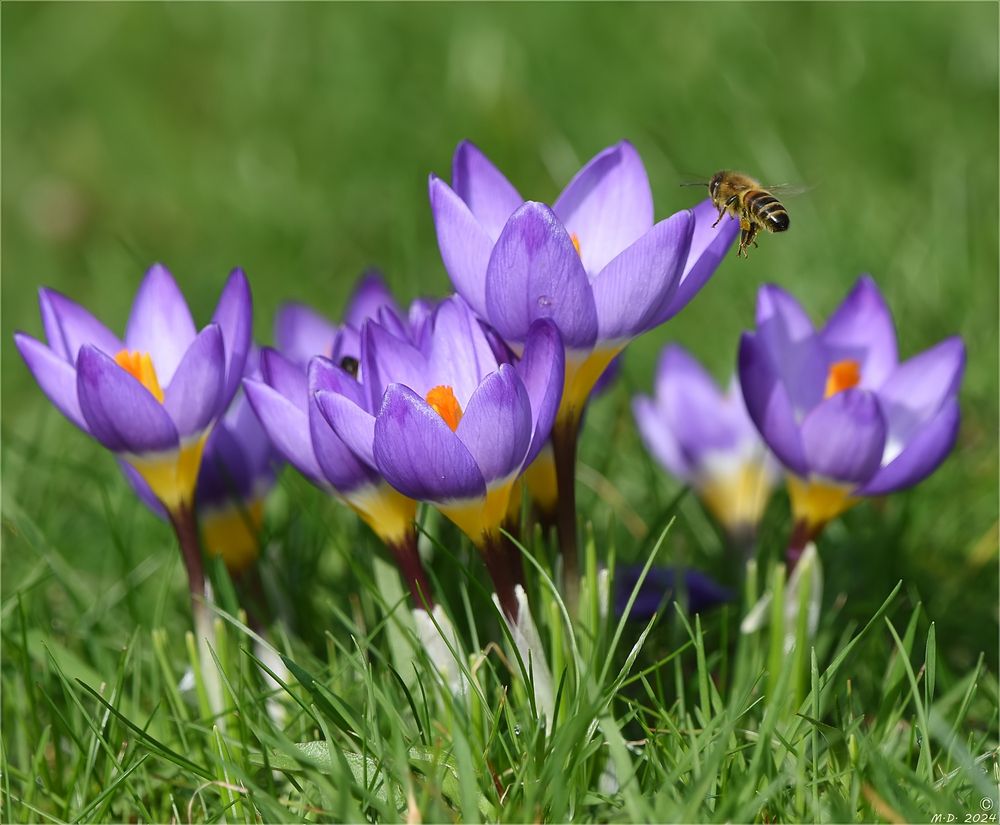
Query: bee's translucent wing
[789,190]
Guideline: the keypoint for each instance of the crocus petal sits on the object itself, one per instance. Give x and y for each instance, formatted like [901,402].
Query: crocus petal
[195,396]
[496,426]
[693,406]
[608,205]
[301,333]
[769,405]
[225,473]
[369,296]
[341,467]
[861,330]
[234,315]
[927,447]
[542,369]
[660,585]
[142,488]
[386,359]
[419,455]
[535,272]
[287,378]
[633,290]
[68,326]
[419,317]
[287,425]
[243,423]
[55,375]
[787,335]
[483,187]
[659,439]
[465,245]
[708,247]
[844,436]
[459,349]
[120,412]
[351,422]
[918,387]
[160,322]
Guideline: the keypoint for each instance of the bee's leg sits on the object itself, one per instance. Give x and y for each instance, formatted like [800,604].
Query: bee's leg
[746,238]
[722,209]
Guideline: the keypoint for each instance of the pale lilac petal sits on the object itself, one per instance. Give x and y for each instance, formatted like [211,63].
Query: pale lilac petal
[195,396]
[301,333]
[287,426]
[633,290]
[861,330]
[68,326]
[386,359]
[419,455]
[844,437]
[659,439]
[608,205]
[483,187]
[287,378]
[55,375]
[769,405]
[535,272]
[787,336]
[693,406]
[369,296]
[225,474]
[542,369]
[459,350]
[419,318]
[927,447]
[465,245]
[120,412]
[350,421]
[918,388]
[234,315]
[160,322]
[496,426]
[708,247]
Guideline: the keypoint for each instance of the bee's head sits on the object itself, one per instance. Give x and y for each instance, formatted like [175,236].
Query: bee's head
[349,365]
[714,183]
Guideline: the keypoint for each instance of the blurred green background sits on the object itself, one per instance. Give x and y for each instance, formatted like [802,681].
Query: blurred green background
[295,141]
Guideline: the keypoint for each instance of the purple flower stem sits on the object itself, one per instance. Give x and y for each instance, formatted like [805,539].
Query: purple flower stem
[412,570]
[565,436]
[802,534]
[185,524]
[503,561]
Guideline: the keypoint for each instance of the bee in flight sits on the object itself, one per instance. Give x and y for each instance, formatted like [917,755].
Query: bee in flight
[750,203]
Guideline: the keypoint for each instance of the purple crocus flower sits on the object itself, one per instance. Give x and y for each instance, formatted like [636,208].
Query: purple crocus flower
[837,408]
[446,422]
[595,262]
[301,332]
[153,397]
[705,438]
[660,585]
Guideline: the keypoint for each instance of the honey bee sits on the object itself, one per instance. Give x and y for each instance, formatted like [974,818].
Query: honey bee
[750,203]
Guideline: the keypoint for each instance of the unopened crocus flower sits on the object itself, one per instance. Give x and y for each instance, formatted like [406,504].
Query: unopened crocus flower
[705,438]
[835,405]
[594,263]
[447,423]
[302,332]
[700,592]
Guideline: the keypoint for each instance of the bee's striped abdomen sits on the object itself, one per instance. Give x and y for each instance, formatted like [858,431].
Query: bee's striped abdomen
[767,210]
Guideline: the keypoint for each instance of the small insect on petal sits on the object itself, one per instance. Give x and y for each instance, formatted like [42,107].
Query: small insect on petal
[442,400]
[140,366]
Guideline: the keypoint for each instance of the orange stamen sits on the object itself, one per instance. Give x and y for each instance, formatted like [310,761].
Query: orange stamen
[576,241]
[843,375]
[140,366]
[442,400]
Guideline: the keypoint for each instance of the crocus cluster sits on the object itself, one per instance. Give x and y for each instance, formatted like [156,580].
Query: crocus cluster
[458,403]
[837,407]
